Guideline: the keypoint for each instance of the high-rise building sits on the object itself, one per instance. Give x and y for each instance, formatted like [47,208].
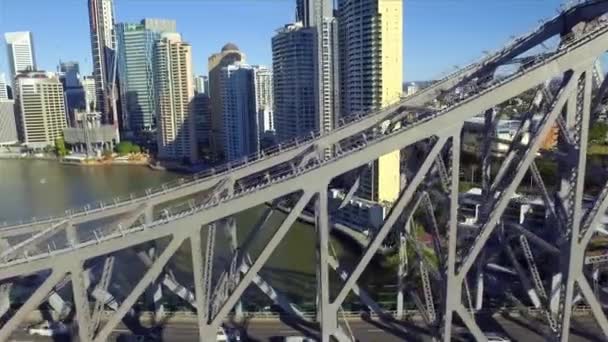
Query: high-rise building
[201,109]
[135,67]
[264,99]
[20,49]
[315,30]
[201,84]
[90,94]
[8,127]
[75,99]
[103,48]
[41,106]
[71,72]
[174,89]
[371,77]
[294,81]
[3,88]
[241,131]
[230,54]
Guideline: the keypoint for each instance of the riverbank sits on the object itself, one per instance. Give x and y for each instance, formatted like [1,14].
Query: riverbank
[141,161]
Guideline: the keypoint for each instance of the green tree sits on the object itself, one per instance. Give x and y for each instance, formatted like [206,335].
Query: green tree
[126,147]
[60,148]
[597,133]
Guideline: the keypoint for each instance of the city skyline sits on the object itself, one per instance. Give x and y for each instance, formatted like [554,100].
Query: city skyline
[251,26]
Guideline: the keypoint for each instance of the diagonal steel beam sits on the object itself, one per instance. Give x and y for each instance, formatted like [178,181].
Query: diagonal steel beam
[31,243]
[148,278]
[499,205]
[81,302]
[395,213]
[592,301]
[576,251]
[328,314]
[32,303]
[451,287]
[262,258]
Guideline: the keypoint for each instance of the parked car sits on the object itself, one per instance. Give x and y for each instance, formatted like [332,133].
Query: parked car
[49,329]
[298,339]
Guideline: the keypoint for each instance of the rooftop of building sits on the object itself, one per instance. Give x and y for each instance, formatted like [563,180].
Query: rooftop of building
[230,47]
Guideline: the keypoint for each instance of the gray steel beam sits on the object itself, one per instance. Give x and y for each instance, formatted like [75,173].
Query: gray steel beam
[207,332]
[452,287]
[81,303]
[138,290]
[31,243]
[328,313]
[32,303]
[396,211]
[262,258]
[500,204]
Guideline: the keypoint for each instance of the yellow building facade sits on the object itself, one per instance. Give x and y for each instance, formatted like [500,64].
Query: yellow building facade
[371,77]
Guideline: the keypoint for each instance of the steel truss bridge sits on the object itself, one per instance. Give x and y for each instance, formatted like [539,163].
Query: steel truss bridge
[75,256]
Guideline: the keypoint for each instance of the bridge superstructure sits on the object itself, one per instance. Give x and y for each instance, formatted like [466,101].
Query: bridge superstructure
[78,252]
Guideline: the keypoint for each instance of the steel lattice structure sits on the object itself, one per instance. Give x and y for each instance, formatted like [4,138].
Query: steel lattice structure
[77,251]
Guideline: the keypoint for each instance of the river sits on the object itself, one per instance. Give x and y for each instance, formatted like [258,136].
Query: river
[42,188]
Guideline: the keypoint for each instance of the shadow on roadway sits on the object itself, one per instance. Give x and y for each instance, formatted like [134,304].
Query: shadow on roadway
[401,329]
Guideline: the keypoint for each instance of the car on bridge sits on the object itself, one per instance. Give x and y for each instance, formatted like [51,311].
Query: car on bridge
[49,329]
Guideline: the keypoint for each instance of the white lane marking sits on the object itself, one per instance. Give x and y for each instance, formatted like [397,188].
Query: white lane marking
[374,330]
[122,330]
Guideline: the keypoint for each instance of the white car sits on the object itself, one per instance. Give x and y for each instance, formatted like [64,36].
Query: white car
[298,339]
[49,329]
[494,337]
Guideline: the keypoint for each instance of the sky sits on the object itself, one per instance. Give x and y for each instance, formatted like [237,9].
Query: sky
[439,35]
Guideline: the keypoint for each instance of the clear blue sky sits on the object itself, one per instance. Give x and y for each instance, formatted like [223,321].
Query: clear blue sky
[438,34]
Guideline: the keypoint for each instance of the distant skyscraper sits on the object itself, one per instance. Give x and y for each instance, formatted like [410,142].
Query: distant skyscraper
[3,88]
[264,99]
[135,67]
[201,84]
[20,49]
[201,109]
[174,89]
[315,30]
[103,47]
[8,127]
[69,75]
[241,129]
[371,76]
[230,53]
[294,81]
[71,71]
[41,105]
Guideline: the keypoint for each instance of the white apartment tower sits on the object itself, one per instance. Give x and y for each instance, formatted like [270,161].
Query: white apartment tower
[3,88]
[174,89]
[42,113]
[8,127]
[103,48]
[264,99]
[20,49]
